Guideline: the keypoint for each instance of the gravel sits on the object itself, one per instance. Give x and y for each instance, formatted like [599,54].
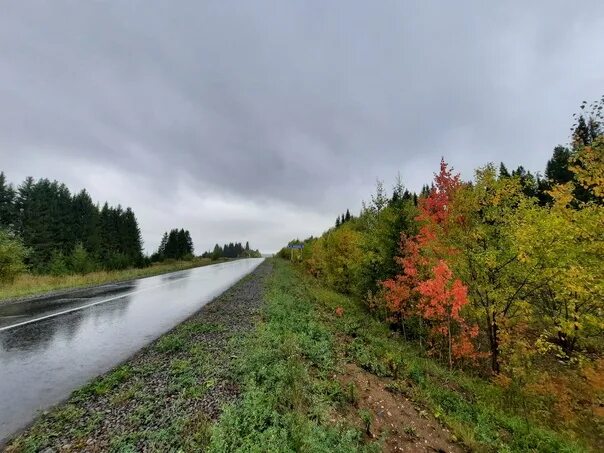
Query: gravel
[165,396]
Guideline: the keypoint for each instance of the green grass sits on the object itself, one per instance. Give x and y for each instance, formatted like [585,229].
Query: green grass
[289,399]
[472,407]
[31,285]
[286,370]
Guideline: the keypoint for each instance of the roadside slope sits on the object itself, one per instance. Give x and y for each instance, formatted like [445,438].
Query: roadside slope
[165,397]
[31,288]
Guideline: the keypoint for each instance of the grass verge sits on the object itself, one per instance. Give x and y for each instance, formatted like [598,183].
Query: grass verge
[166,397]
[286,371]
[290,399]
[282,382]
[31,285]
[471,407]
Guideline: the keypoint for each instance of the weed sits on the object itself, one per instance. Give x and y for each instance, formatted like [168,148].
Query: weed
[367,420]
[170,343]
[352,394]
[410,431]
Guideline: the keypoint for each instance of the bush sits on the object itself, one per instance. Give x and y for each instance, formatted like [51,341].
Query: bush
[80,261]
[12,256]
[118,261]
[57,265]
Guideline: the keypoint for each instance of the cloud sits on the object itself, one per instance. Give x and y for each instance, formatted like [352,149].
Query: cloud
[267,119]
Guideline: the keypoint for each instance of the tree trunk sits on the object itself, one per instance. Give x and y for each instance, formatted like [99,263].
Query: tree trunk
[492,331]
[450,346]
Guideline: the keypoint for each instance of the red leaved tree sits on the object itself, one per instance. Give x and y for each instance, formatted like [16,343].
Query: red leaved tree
[442,298]
[426,287]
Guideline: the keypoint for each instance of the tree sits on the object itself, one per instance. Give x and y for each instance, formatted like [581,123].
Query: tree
[528,181]
[503,171]
[587,165]
[49,219]
[566,244]
[341,256]
[160,255]
[398,190]
[442,298]
[557,170]
[80,261]
[7,204]
[45,219]
[132,243]
[379,200]
[426,287]
[217,252]
[380,240]
[175,245]
[12,257]
[487,256]
[57,265]
[347,218]
[86,223]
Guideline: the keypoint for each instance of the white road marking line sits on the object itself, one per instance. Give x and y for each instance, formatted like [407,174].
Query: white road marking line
[52,315]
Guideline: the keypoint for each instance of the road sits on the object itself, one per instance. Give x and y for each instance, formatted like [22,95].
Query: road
[53,346]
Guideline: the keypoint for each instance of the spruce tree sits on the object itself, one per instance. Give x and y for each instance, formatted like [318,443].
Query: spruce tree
[503,171]
[217,252]
[557,170]
[190,249]
[7,204]
[86,223]
[397,190]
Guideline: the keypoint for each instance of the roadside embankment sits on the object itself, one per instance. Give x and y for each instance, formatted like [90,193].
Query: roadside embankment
[28,286]
[165,397]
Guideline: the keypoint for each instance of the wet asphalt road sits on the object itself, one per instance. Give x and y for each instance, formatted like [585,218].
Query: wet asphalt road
[52,346]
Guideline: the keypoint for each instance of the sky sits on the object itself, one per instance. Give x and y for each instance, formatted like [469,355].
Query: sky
[262,121]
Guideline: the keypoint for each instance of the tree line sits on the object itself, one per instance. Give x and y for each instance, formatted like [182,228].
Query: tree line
[68,232]
[502,275]
[232,250]
[175,245]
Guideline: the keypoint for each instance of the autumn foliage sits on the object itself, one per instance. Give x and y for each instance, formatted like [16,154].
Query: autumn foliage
[503,274]
[426,287]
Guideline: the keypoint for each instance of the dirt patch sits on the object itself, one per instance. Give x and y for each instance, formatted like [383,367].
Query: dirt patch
[392,417]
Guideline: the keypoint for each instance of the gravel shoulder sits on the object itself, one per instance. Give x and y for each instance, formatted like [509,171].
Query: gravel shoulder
[167,396]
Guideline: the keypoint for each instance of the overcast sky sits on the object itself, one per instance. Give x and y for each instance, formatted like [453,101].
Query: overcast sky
[262,121]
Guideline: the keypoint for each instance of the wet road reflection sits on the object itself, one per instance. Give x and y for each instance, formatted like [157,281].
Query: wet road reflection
[86,334]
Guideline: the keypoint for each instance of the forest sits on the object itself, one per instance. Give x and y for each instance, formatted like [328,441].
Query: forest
[501,276]
[232,250]
[47,230]
[60,232]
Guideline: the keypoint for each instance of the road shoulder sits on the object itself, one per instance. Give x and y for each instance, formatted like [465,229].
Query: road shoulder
[167,395]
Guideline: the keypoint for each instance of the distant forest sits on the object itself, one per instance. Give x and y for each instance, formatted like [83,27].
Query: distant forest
[232,250]
[174,245]
[66,232]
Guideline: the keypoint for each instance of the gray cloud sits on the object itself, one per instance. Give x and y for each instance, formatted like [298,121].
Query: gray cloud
[272,117]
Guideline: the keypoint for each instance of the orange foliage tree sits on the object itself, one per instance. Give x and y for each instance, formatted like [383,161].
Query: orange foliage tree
[426,287]
[442,299]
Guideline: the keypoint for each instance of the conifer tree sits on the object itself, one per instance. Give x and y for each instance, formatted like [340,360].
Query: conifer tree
[86,223]
[217,253]
[7,203]
[557,170]
[503,171]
